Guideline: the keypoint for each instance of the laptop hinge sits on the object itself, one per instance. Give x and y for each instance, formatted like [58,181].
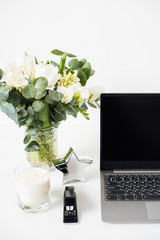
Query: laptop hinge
[135,171]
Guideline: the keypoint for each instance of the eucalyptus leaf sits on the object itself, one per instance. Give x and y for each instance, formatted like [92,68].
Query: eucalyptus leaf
[55,95]
[57,52]
[29,91]
[70,55]
[14,98]
[58,112]
[73,63]
[83,107]
[82,62]
[54,63]
[40,84]
[48,99]
[4,92]
[23,113]
[92,72]
[40,95]
[30,111]
[27,139]
[32,146]
[38,105]
[9,109]
[87,65]
[71,110]
[29,121]
[86,71]
[82,76]
[31,131]
[91,105]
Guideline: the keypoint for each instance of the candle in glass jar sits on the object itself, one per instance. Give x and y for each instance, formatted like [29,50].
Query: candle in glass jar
[33,186]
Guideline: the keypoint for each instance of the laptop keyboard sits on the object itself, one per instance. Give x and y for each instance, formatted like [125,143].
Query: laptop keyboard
[132,187]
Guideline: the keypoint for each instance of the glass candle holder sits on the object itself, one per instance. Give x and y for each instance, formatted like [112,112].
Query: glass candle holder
[33,186]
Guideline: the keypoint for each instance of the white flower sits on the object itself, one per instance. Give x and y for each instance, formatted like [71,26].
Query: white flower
[26,65]
[49,72]
[95,92]
[67,94]
[80,91]
[13,76]
[67,80]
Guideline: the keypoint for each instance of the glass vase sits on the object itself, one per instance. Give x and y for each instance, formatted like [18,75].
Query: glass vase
[47,140]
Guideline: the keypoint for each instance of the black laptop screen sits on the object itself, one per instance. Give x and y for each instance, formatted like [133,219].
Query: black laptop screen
[130,130]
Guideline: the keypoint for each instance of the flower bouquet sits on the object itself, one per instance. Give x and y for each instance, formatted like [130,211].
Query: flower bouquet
[39,95]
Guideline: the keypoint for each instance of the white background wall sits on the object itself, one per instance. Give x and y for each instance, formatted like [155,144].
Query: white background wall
[121,38]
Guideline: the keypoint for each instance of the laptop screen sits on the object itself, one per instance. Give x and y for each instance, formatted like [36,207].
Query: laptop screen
[130,131]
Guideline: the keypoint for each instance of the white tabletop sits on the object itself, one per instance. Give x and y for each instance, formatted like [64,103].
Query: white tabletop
[17,225]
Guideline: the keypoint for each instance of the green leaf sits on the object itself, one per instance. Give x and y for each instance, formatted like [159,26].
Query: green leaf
[54,63]
[84,107]
[57,52]
[91,105]
[36,90]
[27,139]
[82,76]
[71,110]
[49,100]
[38,105]
[9,109]
[40,95]
[31,131]
[40,84]
[1,74]
[82,102]
[82,62]
[29,91]
[58,113]
[92,72]
[30,111]
[87,65]
[29,121]
[86,71]
[35,59]
[73,102]
[70,55]
[32,146]
[14,98]
[73,63]
[60,53]
[62,63]
[97,99]
[4,92]
[23,113]
[55,95]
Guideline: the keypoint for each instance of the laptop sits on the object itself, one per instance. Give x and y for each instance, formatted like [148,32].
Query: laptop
[130,157]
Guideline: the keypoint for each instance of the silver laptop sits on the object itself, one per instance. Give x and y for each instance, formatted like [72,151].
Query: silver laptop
[130,157]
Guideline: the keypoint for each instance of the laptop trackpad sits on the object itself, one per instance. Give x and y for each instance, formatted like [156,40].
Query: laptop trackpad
[153,210]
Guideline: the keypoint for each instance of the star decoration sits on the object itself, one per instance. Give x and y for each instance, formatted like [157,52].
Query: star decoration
[75,167]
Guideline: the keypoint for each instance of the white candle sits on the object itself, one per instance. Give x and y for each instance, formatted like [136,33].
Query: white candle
[33,186]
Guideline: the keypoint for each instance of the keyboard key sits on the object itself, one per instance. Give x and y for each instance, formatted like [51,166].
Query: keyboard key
[129,197]
[112,197]
[115,192]
[138,197]
[121,197]
[151,197]
[113,187]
